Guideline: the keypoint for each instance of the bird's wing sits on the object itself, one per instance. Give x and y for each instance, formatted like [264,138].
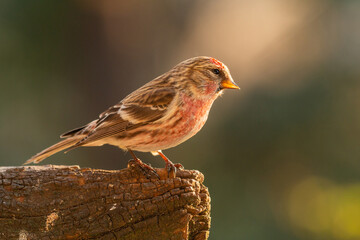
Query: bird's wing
[146,105]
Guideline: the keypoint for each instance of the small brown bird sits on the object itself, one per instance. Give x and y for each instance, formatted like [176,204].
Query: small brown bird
[161,114]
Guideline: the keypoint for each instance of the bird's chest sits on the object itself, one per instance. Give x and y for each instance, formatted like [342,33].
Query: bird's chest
[194,113]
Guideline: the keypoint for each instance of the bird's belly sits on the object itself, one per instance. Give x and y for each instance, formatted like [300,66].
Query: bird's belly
[159,136]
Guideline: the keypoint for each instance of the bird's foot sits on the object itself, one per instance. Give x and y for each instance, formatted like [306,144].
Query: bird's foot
[147,170]
[172,168]
[169,166]
[179,166]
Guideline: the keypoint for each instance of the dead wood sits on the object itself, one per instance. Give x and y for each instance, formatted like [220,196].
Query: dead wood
[68,202]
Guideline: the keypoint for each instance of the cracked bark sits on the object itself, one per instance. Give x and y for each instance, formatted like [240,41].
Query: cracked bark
[67,202]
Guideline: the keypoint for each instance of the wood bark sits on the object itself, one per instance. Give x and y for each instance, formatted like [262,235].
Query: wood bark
[68,202]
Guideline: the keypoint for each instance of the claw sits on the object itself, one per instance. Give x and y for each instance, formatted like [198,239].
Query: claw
[179,166]
[147,170]
[170,167]
[171,170]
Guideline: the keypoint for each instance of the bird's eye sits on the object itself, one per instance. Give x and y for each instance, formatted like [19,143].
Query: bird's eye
[216,71]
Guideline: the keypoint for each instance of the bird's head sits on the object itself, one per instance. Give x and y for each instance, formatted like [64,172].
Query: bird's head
[205,76]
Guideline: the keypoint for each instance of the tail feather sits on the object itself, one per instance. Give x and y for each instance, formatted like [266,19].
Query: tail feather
[62,145]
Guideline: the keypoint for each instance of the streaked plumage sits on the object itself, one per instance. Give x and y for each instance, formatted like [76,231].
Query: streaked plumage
[159,115]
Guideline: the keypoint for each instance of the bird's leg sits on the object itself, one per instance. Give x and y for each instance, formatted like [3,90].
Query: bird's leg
[170,167]
[143,166]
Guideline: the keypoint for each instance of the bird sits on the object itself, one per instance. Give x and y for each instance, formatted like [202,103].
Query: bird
[161,114]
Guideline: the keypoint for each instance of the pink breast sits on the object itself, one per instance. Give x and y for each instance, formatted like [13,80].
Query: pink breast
[194,113]
[190,118]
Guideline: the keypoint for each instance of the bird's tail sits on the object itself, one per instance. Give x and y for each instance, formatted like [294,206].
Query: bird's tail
[62,145]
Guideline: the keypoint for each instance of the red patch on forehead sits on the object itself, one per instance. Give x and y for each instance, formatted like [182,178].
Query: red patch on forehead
[217,62]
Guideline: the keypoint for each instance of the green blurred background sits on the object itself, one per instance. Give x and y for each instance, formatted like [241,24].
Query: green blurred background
[281,157]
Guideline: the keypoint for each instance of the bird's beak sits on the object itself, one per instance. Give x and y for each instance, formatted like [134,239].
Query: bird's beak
[228,83]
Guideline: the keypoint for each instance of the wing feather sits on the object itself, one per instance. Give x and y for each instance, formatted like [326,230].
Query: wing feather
[139,108]
[147,105]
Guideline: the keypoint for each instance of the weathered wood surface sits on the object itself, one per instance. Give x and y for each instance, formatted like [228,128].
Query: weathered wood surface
[67,202]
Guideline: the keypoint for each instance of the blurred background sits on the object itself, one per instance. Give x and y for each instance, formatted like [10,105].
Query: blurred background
[281,157]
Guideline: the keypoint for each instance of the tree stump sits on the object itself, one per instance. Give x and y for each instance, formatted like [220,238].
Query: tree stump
[68,202]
